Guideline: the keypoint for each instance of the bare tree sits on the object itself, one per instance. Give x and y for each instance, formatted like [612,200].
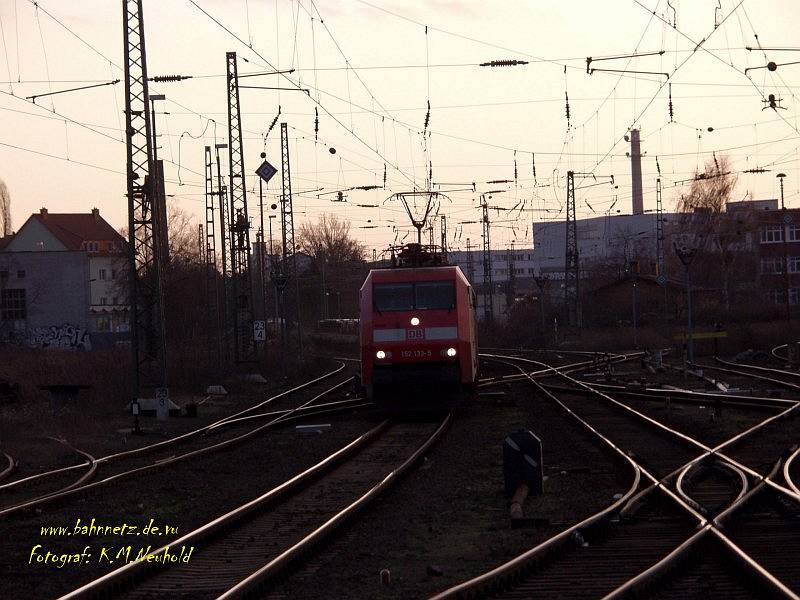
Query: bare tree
[711,189]
[329,240]
[720,235]
[182,234]
[5,210]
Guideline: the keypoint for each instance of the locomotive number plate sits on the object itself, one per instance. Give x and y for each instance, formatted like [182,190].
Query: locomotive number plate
[415,334]
[416,353]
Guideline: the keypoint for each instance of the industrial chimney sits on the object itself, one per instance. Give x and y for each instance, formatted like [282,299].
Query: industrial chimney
[636,174]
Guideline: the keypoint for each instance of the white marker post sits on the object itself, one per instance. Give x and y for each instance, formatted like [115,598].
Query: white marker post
[162,403]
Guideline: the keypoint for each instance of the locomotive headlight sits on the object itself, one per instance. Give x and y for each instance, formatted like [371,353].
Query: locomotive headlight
[451,352]
[415,321]
[380,355]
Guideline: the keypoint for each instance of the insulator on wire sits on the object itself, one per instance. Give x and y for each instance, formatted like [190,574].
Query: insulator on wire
[566,96]
[427,116]
[168,78]
[504,63]
[515,166]
[274,121]
[671,113]
[384,175]
[316,124]
[533,163]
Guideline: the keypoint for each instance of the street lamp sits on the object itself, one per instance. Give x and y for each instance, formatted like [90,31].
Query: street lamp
[686,255]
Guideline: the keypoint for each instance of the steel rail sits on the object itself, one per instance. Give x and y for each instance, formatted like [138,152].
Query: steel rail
[634,585]
[780,382]
[504,570]
[707,451]
[279,564]
[511,568]
[10,468]
[290,414]
[757,368]
[678,395]
[570,368]
[91,462]
[172,440]
[774,352]
[684,475]
[515,566]
[315,409]
[786,471]
[763,480]
[116,579]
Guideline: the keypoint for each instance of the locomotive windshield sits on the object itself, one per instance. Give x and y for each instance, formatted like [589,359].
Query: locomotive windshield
[423,295]
[433,295]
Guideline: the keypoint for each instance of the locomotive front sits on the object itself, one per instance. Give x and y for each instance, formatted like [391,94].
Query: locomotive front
[417,335]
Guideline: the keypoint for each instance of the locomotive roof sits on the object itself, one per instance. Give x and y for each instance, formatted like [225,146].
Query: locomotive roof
[399,274]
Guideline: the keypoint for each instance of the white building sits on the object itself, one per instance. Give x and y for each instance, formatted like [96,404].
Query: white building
[104,249]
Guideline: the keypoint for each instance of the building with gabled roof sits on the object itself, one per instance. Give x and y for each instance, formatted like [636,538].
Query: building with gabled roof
[105,252]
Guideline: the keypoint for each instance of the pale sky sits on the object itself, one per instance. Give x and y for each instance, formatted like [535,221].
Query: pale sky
[371,65]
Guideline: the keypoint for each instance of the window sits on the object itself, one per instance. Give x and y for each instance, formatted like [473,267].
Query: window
[776,297]
[12,304]
[794,296]
[794,233]
[3,275]
[393,296]
[424,295]
[113,274]
[772,266]
[21,274]
[794,264]
[771,234]
[519,271]
[103,301]
[101,274]
[114,301]
[435,295]
[91,246]
[102,323]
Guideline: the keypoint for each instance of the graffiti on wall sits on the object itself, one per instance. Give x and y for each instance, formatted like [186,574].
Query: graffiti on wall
[64,336]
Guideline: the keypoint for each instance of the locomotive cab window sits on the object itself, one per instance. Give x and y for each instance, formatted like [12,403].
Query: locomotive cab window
[393,296]
[435,295]
[423,295]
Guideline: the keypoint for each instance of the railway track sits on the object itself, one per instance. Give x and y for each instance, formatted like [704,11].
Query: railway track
[250,546]
[9,468]
[608,556]
[131,463]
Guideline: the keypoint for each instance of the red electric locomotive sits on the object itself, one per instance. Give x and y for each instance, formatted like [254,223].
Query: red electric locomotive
[417,329]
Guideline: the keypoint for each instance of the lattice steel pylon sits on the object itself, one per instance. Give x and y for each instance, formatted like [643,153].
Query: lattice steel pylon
[244,345]
[660,266]
[147,331]
[571,266]
[488,284]
[288,264]
[211,279]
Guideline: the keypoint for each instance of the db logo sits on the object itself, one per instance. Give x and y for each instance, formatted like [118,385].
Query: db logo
[415,334]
